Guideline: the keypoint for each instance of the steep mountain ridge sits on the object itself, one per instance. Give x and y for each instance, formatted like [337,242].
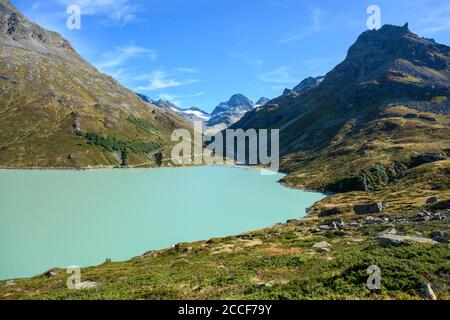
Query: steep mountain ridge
[387,101]
[262,102]
[307,84]
[57,110]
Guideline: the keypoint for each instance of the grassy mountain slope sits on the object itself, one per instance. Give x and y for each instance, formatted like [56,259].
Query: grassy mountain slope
[58,111]
[385,104]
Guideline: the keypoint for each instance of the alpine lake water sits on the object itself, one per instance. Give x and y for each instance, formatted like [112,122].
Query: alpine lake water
[61,218]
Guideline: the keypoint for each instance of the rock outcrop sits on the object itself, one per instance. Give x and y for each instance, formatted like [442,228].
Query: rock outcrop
[369,208]
[389,240]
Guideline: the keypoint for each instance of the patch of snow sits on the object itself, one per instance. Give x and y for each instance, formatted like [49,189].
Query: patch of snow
[198,114]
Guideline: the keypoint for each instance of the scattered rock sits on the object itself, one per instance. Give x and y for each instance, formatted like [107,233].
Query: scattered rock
[10,283]
[432,200]
[376,207]
[427,292]
[441,205]
[245,236]
[389,240]
[354,224]
[263,285]
[330,212]
[322,246]
[51,273]
[87,285]
[372,220]
[440,236]
[390,231]
[425,158]
[340,233]
[437,217]
[338,222]
[158,157]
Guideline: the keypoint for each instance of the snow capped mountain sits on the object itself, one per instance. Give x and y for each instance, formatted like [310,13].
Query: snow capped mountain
[198,113]
[262,102]
[230,112]
[190,114]
[223,116]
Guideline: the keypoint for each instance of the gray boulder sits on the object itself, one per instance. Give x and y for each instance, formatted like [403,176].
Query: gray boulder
[335,224]
[372,220]
[392,240]
[10,283]
[325,227]
[432,200]
[390,231]
[322,246]
[51,273]
[441,205]
[369,208]
[87,285]
[330,212]
[426,158]
[440,236]
[427,292]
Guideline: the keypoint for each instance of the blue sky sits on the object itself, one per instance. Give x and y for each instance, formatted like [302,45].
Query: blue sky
[200,52]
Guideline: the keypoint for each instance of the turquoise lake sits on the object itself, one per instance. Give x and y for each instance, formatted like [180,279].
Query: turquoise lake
[63,218]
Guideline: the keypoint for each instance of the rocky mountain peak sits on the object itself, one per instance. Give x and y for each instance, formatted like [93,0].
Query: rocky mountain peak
[390,53]
[239,100]
[262,102]
[308,83]
[394,42]
[231,111]
[17,31]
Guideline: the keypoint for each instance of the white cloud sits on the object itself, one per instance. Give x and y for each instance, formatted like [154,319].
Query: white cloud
[315,26]
[280,75]
[121,11]
[161,80]
[121,54]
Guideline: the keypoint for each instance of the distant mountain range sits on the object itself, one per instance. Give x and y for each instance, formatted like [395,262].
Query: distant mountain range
[190,114]
[224,115]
